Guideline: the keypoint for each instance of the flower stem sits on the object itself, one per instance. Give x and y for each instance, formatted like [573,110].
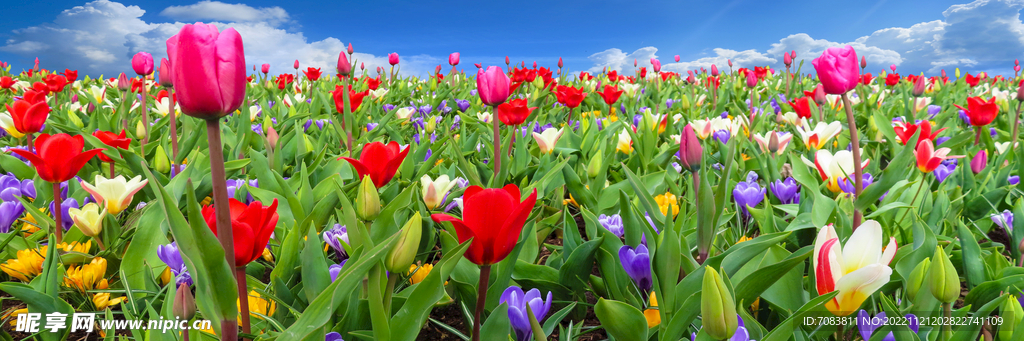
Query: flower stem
[857,168]
[58,227]
[1016,124]
[947,331]
[111,169]
[387,293]
[345,112]
[497,144]
[225,234]
[145,118]
[243,304]
[31,145]
[481,299]
[174,128]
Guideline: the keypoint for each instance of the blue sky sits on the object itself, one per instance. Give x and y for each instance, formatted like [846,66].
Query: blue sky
[919,36]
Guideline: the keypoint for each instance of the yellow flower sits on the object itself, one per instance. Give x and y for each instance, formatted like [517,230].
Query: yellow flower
[27,265]
[439,162]
[652,315]
[666,201]
[32,226]
[76,247]
[625,144]
[13,315]
[206,201]
[419,273]
[571,201]
[88,276]
[102,300]
[259,305]
[114,193]
[7,124]
[89,219]
[166,276]
[742,239]
[267,256]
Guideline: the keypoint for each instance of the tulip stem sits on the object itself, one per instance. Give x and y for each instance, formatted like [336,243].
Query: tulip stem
[225,233]
[145,118]
[977,135]
[58,227]
[1016,123]
[345,112]
[31,147]
[99,242]
[913,200]
[947,331]
[387,293]
[243,304]
[858,169]
[497,146]
[111,169]
[174,128]
[481,299]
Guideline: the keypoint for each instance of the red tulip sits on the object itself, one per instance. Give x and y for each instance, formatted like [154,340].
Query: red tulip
[866,79]
[802,106]
[55,82]
[514,112]
[138,85]
[379,161]
[892,79]
[905,132]
[929,158]
[570,96]
[493,218]
[972,80]
[373,83]
[114,140]
[7,82]
[208,70]
[142,63]
[355,98]
[312,74]
[29,117]
[71,75]
[251,226]
[980,112]
[643,72]
[610,94]
[477,65]
[58,158]
[33,96]
[559,62]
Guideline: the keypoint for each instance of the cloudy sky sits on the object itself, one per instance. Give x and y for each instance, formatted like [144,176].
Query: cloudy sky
[917,36]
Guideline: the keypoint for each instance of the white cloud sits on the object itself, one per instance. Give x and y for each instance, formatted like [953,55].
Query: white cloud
[983,35]
[223,12]
[102,36]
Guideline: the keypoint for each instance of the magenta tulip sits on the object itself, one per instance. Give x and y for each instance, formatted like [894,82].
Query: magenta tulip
[453,59]
[677,58]
[559,62]
[838,69]
[344,67]
[265,68]
[492,85]
[786,59]
[979,161]
[393,59]
[208,70]
[350,50]
[142,63]
[714,70]
[165,73]
[656,65]
[296,65]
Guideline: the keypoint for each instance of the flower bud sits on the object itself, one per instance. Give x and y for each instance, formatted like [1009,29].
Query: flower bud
[344,67]
[160,160]
[140,130]
[272,137]
[595,165]
[403,253]
[123,83]
[979,161]
[88,219]
[942,278]
[1020,93]
[431,124]
[787,59]
[863,62]
[819,95]
[956,73]
[919,87]
[367,201]
[751,79]
[717,308]
[1011,312]
[685,103]
[773,143]
[917,278]
[184,304]
[690,150]
[538,82]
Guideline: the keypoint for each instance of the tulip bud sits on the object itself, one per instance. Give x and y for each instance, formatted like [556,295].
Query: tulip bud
[656,65]
[685,103]
[634,62]
[265,68]
[160,160]
[538,82]
[140,130]
[350,50]
[272,137]
[714,70]
[979,161]
[863,62]
[453,59]
[917,278]
[942,278]
[919,87]
[362,66]
[730,62]
[819,95]
[892,67]
[594,166]
[368,201]
[792,54]
[1011,312]
[393,59]
[344,67]
[1020,93]
[786,59]
[404,252]
[559,62]
[751,79]
[437,69]
[506,60]
[690,150]
[717,308]
[184,304]
[773,143]
[956,73]
[296,65]
[91,108]
[677,58]
[123,83]
[88,219]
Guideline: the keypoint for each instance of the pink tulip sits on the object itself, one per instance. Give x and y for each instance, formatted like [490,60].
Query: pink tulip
[123,83]
[863,62]
[837,69]
[714,70]
[559,62]
[492,85]
[979,161]
[535,64]
[656,64]
[892,67]
[142,63]
[362,66]
[792,54]
[677,58]
[165,73]
[634,62]
[208,70]
[730,62]
[477,65]
[393,58]
[453,59]
[265,68]
[344,67]
[751,80]
[296,65]
[690,150]
[786,59]
[350,50]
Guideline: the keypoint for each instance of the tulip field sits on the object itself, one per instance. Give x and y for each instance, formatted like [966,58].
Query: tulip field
[833,199]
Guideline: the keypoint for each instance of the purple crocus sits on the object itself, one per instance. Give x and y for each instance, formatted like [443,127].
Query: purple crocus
[637,263]
[722,136]
[787,191]
[939,140]
[613,224]
[388,107]
[867,325]
[335,269]
[748,193]
[370,126]
[305,127]
[933,110]
[964,117]
[333,336]
[428,155]
[517,315]
[334,236]
[11,187]
[66,205]
[463,104]
[235,184]
[1004,220]
[1013,180]
[10,211]
[425,109]
[171,256]
[947,167]
[847,185]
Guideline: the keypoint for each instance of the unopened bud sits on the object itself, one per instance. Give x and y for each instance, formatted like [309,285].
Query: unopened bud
[272,137]
[594,167]
[919,87]
[917,278]
[160,160]
[717,307]
[367,201]
[140,130]
[863,62]
[819,95]
[404,252]
[184,303]
[1011,312]
[773,143]
[942,278]
[1020,92]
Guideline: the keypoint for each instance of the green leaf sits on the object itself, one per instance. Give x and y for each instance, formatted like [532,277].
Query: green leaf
[622,321]
[756,283]
[784,331]
[497,324]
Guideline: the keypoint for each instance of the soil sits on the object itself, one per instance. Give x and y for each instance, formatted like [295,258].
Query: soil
[448,315]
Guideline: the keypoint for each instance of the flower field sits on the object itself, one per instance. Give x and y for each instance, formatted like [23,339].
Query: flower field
[822,201]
